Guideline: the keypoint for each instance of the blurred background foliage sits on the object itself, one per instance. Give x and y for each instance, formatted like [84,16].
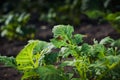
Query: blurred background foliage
[72,12]
[15,26]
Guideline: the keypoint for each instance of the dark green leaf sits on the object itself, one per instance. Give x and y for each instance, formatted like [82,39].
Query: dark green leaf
[8,61]
[30,75]
[51,58]
[77,39]
[50,73]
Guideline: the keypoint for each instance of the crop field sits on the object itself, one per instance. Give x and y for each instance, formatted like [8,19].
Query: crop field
[60,40]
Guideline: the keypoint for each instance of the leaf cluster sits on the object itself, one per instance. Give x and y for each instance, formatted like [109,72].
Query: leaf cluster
[40,60]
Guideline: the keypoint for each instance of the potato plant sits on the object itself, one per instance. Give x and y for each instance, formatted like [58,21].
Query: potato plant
[40,60]
[15,26]
[114,19]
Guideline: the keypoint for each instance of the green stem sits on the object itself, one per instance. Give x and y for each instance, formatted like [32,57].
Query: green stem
[82,72]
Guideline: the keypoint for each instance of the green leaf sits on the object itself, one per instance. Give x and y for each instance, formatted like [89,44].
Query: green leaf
[9,18]
[99,49]
[77,39]
[62,35]
[106,40]
[25,58]
[50,73]
[33,54]
[59,43]
[8,61]
[113,59]
[51,58]
[111,17]
[62,31]
[85,50]
[40,46]
[94,14]
[116,43]
[31,75]
[65,52]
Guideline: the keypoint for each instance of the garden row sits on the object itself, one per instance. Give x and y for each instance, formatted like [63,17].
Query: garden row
[40,60]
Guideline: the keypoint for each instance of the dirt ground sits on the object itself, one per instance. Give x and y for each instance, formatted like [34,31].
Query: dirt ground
[44,32]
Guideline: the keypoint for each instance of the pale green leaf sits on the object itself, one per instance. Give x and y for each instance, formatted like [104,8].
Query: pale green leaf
[62,35]
[25,58]
[65,52]
[62,31]
[67,63]
[106,40]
